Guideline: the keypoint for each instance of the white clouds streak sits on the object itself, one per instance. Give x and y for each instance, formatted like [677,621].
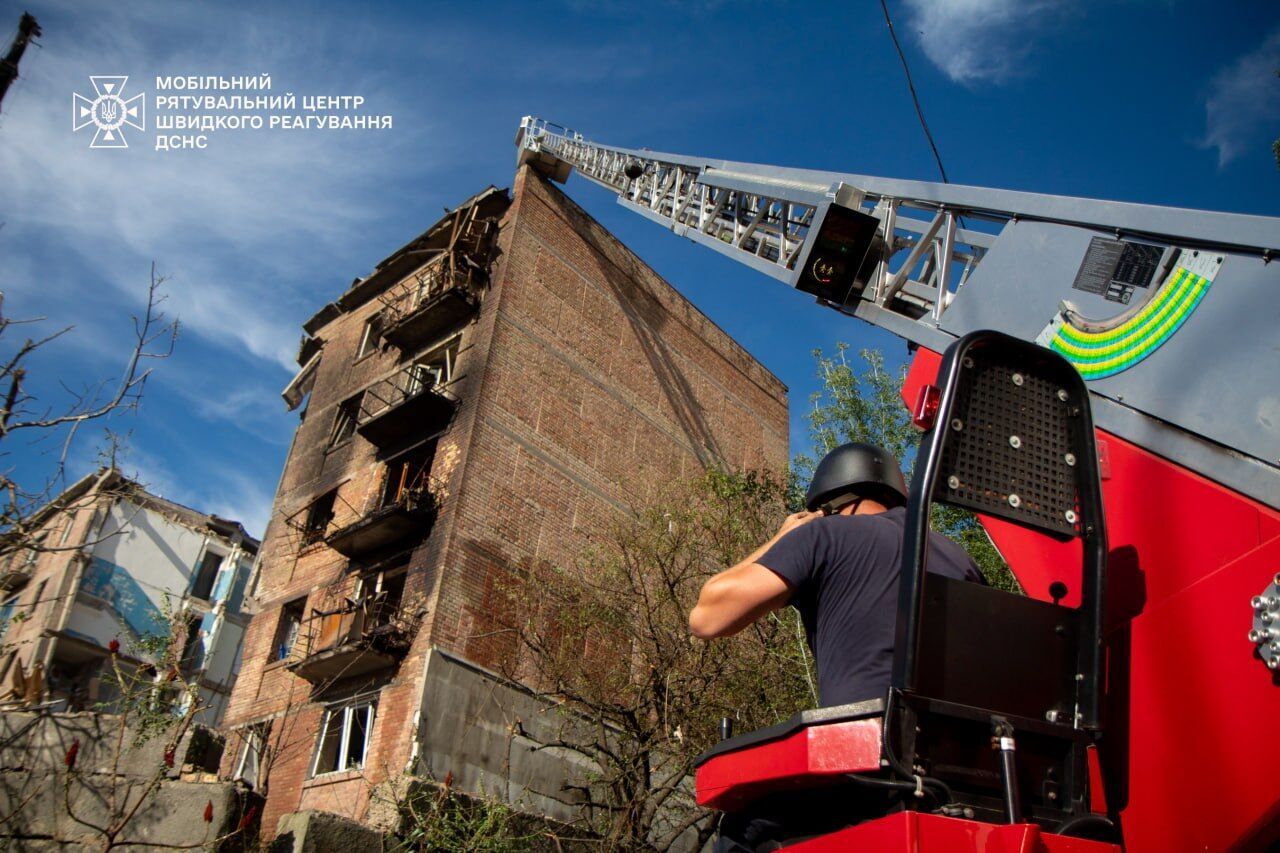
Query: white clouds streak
[1243,105]
[979,41]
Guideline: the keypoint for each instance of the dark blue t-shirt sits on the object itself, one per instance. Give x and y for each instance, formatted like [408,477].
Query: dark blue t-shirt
[843,571]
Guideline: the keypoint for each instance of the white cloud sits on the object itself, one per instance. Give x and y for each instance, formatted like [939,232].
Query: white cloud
[1244,102]
[245,226]
[976,41]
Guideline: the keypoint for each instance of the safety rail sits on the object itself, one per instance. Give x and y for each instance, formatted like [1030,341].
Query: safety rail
[410,382]
[351,638]
[447,273]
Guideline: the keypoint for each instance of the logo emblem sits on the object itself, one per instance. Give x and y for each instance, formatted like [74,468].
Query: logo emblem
[109,112]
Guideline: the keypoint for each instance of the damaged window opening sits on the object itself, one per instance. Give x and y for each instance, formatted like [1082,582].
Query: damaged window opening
[344,738]
[344,422]
[408,476]
[434,370]
[202,585]
[255,742]
[319,514]
[288,628]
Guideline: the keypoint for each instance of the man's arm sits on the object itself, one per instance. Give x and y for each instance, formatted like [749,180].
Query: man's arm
[741,594]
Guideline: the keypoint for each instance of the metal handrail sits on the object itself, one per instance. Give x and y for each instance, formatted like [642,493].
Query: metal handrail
[442,274]
[405,384]
[353,623]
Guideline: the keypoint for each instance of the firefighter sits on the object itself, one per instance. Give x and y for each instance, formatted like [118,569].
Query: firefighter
[838,563]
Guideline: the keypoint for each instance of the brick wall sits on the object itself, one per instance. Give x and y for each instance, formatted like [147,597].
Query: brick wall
[583,381]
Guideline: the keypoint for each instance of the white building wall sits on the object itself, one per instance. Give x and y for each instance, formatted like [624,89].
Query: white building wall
[139,574]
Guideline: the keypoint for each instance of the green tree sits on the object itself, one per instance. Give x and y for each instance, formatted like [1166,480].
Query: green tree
[861,400]
[609,641]
[1275,146]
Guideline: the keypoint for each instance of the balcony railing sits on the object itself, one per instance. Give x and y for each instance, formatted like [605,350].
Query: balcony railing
[412,513]
[355,638]
[437,298]
[406,403]
[14,578]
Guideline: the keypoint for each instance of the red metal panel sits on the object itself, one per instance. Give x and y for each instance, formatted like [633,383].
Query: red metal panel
[1190,709]
[803,759]
[913,832]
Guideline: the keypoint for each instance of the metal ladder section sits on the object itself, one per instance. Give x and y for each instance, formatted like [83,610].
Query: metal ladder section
[932,239]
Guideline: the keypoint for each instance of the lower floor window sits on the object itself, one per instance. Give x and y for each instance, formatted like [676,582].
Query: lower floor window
[344,737]
[255,741]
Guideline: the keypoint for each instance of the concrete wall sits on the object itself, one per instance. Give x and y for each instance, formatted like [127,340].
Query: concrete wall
[46,808]
[482,730]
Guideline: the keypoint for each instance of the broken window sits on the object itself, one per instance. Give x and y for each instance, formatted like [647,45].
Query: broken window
[344,737]
[192,649]
[344,422]
[408,476]
[319,514]
[205,575]
[288,628]
[255,744]
[368,339]
[434,369]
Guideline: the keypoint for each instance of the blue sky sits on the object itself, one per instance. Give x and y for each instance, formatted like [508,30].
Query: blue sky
[1159,102]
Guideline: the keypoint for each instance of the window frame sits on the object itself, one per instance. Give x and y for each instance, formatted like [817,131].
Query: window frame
[347,710]
[255,743]
[346,418]
[368,339]
[6,613]
[277,639]
[311,533]
[440,362]
[213,579]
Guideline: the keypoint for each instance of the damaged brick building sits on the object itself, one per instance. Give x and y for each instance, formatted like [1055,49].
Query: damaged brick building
[489,398]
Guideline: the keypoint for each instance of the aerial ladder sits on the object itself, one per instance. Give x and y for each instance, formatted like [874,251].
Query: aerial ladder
[1136,497]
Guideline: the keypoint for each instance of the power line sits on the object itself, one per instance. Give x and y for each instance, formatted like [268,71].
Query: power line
[912,86]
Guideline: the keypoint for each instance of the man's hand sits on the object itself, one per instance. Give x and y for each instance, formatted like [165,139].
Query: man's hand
[796,519]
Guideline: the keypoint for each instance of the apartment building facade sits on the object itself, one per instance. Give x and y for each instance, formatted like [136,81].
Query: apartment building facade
[114,562]
[490,398]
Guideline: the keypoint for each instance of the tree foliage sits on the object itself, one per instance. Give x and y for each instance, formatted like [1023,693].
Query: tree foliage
[861,400]
[610,639]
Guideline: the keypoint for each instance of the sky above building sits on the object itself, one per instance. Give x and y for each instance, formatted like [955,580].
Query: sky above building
[1172,103]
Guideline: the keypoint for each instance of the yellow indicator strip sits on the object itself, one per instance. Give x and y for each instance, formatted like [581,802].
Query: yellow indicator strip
[1103,353]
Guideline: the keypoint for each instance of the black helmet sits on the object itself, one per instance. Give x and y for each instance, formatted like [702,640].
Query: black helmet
[857,469]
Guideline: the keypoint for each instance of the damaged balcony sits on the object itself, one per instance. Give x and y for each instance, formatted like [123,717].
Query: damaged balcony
[425,307]
[355,638]
[410,402]
[385,526]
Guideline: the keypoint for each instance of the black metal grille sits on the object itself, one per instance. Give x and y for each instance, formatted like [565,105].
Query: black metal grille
[1009,445]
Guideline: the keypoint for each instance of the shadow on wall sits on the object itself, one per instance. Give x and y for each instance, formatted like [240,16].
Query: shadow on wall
[646,320]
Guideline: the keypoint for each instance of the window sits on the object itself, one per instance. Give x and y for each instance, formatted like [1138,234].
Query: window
[318,516]
[344,737]
[381,595]
[368,339]
[192,649]
[287,629]
[255,743]
[434,369]
[66,528]
[207,572]
[408,476]
[6,613]
[344,422]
